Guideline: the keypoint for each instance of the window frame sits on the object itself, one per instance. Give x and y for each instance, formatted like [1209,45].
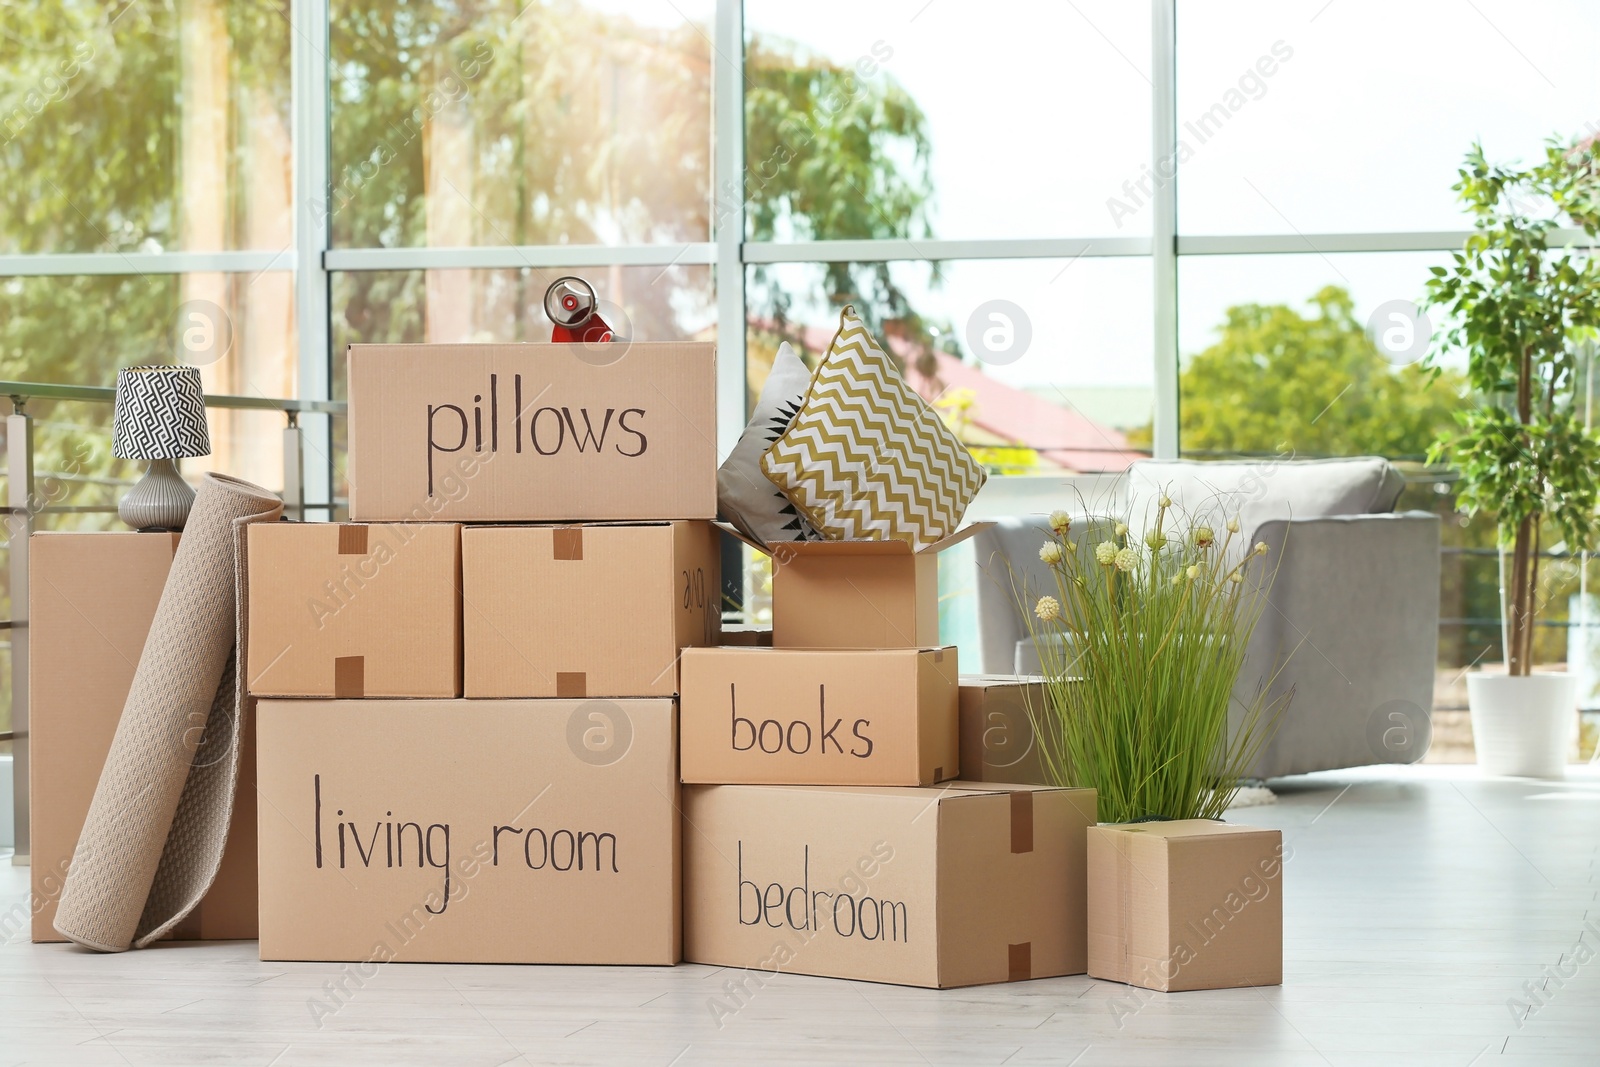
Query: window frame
[313,262]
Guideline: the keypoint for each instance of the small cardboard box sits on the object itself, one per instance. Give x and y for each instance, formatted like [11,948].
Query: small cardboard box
[855,594]
[771,716]
[355,610]
[953,885]
[532,432]
[586,611]
[1188,904]
[91,599]
[999,742]
[454,831]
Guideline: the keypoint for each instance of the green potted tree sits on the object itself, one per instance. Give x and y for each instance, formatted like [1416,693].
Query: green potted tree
[1518,309]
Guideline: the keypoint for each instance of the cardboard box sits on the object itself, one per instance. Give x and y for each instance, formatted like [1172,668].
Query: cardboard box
[999,742]
[355,610]
[855,594]
[771,716]
[530,432]
[1189,904]
[953,885]
[596,611]
[91,599]
[454,831]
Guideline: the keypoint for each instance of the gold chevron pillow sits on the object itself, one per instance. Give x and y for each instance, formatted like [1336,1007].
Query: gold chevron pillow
[866,458]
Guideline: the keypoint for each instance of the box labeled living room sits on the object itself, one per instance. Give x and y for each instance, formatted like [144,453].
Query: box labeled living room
[621,533]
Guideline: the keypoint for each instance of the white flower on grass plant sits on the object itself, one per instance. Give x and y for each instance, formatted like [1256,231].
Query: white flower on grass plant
[1060,523]
[1136,705]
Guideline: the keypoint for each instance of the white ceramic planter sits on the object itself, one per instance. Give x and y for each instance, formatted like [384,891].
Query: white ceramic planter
[1523,726]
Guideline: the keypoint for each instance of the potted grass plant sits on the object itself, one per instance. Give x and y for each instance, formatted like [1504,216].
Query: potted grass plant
[1141,643]
[1519,310]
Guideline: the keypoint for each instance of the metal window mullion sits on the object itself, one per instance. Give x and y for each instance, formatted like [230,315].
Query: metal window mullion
[1164,237]
[727,209]
[516,257]
[143,263]
[882,251]
[312,149]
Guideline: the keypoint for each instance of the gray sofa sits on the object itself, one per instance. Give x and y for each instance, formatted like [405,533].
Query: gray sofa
[1353,614]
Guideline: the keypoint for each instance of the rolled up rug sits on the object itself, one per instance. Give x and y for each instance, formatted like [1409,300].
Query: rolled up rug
[153,839]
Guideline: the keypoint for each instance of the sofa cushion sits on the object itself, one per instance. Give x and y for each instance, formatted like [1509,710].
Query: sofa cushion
[1260,491]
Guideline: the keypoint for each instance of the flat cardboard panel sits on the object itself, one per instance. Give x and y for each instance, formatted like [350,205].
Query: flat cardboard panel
[819,717]
[353,610]
[553,823]
[91,600]
[909,886]
[599,610]
[998,739]
[532,432]
[1190,904]
[856,601]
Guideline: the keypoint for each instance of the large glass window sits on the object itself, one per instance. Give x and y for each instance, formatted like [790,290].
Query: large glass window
[211,181]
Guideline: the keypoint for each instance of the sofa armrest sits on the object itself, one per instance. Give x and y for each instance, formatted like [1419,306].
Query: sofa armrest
[1352,623]
[1006,556]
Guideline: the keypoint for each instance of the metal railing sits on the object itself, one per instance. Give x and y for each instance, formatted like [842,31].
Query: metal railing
[23,507]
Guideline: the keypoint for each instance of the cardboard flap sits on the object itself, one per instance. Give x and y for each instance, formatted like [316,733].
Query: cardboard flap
[818,549]
[1177,828]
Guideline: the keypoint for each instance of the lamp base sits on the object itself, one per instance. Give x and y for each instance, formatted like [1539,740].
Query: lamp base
[158,501]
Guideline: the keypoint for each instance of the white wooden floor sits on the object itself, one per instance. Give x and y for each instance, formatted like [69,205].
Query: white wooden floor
[1418,903]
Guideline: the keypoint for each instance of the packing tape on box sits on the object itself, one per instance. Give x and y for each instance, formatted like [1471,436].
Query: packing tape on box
[1022,821]
[154,835]
[567,542]
[352,539]
[572,685]
[1019,962]
[349,677]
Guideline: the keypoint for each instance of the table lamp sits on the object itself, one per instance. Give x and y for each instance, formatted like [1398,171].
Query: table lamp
[161,417]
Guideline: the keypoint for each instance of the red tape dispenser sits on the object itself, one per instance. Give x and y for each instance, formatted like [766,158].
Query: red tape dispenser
[573,310]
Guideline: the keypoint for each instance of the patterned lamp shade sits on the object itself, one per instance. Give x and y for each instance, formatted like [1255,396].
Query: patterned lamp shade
[161,413]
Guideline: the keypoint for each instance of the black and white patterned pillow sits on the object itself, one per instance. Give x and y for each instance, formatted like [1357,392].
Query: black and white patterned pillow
[745,497]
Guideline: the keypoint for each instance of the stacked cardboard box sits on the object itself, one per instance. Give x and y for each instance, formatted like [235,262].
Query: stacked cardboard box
[467,724]
[91,600]
[830,833]
[474,697]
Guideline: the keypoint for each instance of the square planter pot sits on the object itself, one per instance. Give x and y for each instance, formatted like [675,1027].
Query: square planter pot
[1188,904]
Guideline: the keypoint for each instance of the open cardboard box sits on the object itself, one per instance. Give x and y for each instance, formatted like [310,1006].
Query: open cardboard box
[855,594]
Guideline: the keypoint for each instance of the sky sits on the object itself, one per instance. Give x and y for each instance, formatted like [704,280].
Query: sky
[1040,112]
